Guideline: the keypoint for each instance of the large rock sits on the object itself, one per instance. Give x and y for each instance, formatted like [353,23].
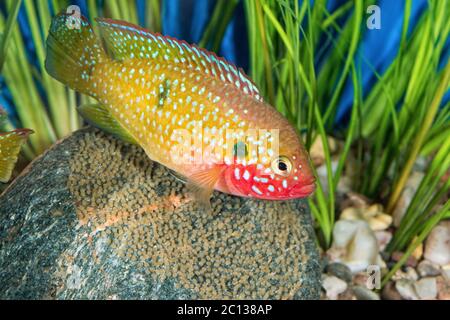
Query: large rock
[95,218]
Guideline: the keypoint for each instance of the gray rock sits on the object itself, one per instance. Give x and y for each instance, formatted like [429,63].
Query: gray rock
[363,293]
[437,245]
[333,286]
[94,218]
[341,271]
[443,288]
[406,289]
[389,292]
[426,288]
[409,274]
[427,268]
[446,272]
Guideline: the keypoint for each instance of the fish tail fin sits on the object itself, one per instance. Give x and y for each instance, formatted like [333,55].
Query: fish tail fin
[73,50]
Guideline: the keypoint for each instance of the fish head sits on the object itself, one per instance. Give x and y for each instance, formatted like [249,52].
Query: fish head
[285,175]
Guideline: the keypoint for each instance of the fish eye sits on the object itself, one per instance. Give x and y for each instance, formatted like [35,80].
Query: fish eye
[282,165]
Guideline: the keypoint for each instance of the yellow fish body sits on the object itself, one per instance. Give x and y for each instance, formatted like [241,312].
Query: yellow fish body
[188,109]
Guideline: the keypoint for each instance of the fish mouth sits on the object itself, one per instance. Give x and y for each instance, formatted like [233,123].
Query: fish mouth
[301,191]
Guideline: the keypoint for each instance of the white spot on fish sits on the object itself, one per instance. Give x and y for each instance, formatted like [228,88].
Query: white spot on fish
[237,173]
[246,175]
[255,188]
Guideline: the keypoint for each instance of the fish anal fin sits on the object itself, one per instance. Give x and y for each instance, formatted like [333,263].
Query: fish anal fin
[100,117]
[201,195]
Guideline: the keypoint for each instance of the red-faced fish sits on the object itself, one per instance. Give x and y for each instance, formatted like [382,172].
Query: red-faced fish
[190,110]
[10,143]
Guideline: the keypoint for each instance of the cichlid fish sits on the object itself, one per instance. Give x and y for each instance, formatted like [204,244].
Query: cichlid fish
[190,110]
[10,144]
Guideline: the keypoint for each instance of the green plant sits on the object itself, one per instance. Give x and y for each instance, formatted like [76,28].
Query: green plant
[385,138]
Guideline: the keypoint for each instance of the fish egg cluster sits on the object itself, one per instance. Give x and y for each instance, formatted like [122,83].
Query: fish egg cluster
[243,249]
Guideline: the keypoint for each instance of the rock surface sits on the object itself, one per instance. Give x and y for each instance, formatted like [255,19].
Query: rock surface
[426,288]
[406,289]
[340,270]
[94,218]
[362,293]
[354,244]
[437,246]
[333,286]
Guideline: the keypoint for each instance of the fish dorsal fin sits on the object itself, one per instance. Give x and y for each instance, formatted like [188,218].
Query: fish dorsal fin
[127,41]
[10,143]
[100,117]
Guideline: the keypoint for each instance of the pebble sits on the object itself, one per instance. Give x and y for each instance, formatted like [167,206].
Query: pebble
[406,196]
[374,215]
[324,261]
[389,292]
[437,245]
[333,286]
[354,245]
[405,288]
[317,152]
[418,252]
[427,268]
[443,288]
[426,288]
[360,279]
[354,200]
[347,295]
[383,238]
[322,173]
[340,270]
[446,272]
[397,255]
[409,274]
[362,293]
[421,164]
[344,185]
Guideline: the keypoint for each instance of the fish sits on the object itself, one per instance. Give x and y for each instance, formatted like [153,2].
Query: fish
[10,146]
[190,110]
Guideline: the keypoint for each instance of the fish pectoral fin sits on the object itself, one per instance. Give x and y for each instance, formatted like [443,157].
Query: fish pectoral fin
[10,144]
[177,176]
[100,117]
[201,185]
